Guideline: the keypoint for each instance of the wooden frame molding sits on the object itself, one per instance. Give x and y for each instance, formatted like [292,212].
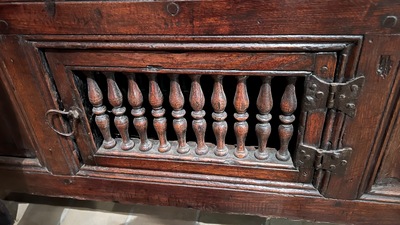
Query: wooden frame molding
[255,202]
[270,108]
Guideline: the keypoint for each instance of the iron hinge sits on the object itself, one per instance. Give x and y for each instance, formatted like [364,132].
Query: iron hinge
[331,160]
[341,96]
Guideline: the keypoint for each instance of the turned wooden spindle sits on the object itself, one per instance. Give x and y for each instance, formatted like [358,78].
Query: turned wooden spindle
[199,124]
[241,128]
[179,123]
[102,120]
[135,99]
[285,130]
[156,99]
[263,128]
[220,127]
[120,120]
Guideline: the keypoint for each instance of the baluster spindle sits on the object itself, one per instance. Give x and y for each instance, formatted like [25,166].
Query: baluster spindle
[177,101]
[285,130]
[135,99]
[241,103]
[199,124]
[102,120]
[120,120]
[220,127]
[263,129]
[156,99]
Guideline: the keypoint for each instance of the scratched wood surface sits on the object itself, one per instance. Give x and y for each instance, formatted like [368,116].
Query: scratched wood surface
[226,199]
[42,44]
[200,17]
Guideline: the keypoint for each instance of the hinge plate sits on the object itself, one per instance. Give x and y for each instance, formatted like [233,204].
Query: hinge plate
[332,160]
[320,94]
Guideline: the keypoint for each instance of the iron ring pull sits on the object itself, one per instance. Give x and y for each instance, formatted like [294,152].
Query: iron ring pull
[73,113]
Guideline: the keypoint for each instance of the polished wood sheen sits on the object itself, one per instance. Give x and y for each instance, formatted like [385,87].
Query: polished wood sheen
[220,126]
[199,124]
[177,102]
[101,118]
[241,103]
[262,117]
[156,99]
[288,106]
[263,129]
[135,99]
[120,120]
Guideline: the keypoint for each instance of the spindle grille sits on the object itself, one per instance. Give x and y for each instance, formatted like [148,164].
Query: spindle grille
[193,117]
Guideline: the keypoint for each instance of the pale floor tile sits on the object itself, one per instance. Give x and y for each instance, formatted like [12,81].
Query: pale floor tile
[21,210]
[93,217]
[318,223]
[109,213]
[283,221]
[123,208]
[92,205]
[225,219]
[146,215]
[36,214]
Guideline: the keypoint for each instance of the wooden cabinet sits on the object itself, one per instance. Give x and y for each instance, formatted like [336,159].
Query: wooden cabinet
[260,107]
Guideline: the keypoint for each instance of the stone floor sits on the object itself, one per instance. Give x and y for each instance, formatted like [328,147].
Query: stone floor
[53,211]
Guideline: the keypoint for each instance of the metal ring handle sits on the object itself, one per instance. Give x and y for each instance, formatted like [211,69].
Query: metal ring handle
[74,113]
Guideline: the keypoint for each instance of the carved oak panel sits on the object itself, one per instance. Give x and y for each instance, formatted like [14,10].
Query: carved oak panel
[219,105]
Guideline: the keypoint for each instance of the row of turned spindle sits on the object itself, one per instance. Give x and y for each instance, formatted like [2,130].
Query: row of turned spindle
[288,105]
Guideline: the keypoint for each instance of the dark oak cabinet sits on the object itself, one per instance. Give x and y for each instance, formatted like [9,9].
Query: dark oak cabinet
[272,108]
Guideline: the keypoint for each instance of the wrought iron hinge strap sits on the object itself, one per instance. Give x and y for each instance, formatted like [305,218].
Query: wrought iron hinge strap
[319,159]
[331,96]
[320,94]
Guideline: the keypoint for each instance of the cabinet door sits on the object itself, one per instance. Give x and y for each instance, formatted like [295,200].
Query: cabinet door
[265,108]
[26,142]
[381,181]
[387,183]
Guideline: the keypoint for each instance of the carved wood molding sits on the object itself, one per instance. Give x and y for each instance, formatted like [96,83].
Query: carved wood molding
[289,56]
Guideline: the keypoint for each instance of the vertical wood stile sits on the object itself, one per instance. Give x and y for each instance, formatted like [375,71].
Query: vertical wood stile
[156,99]
[241,128]
[263,128]
[140,123]
[177,102]
[199,124]
[99,110]
[120,120]
[220,127]
[285,130]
